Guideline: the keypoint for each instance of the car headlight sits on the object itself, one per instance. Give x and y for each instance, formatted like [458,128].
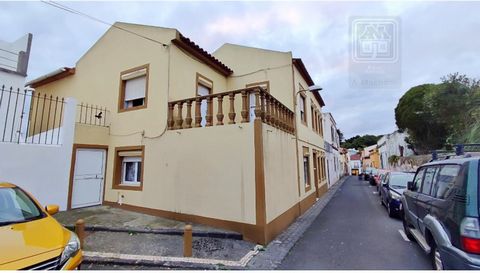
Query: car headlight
[395,195]
[71,249]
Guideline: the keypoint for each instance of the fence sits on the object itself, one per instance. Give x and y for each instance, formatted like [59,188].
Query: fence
[29,117]
[92,115]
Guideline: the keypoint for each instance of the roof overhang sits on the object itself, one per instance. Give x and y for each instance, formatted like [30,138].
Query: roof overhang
[298,63]
[51,77]
[193,49]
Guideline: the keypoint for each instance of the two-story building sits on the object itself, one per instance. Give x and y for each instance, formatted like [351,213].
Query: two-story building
[230,139]
[332,148]
[393,144]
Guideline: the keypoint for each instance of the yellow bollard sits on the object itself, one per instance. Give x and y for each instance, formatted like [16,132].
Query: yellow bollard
[187,241]
[80,230]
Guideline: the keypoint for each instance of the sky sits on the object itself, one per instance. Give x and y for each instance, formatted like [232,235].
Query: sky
[434,39]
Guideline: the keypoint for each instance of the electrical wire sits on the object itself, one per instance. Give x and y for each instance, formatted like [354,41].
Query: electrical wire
[260,70]
[71,10]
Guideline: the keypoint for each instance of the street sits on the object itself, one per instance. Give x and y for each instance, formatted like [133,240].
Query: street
[355,232]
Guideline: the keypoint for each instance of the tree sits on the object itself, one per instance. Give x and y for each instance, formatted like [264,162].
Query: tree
[414,113]
[439,115]
[358,142]
[340,136]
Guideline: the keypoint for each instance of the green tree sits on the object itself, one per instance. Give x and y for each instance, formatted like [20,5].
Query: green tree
[415,114]
[358,141]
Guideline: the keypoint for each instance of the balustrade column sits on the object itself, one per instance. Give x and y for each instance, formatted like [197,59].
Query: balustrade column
[170,121]
[209,116]
[231,113]
[262,106]
[244,107]
[268,110]
[198,114]
[220,110]
[258,107]
[188,118]
[179,120]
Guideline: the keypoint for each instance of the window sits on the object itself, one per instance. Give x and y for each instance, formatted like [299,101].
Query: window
[306,168]
[445,180]
[320,120]
[428,180]
[129,168]
[133,88]
[204,88]
[417,181]
[303,109]
[314,126]
[251,102]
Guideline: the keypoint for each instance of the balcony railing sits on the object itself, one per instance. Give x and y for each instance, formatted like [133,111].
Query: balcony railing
[90,114]
[266,107]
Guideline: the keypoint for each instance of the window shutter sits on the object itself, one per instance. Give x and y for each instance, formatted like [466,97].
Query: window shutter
[130,153]
[135,88]
[134,74]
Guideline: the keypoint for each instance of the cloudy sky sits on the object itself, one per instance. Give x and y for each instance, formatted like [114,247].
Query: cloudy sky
[435,39]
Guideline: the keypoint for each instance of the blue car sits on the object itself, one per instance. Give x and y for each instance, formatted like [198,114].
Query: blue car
[392,189]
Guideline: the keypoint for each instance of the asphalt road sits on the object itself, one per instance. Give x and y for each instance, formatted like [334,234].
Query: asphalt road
[355,232]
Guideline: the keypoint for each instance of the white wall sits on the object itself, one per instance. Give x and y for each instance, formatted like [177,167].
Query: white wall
[42,170]
[390,145]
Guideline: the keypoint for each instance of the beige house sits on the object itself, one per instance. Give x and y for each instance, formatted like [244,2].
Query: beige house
[180,133]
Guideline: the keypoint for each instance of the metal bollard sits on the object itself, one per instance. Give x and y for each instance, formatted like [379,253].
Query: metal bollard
[187,241]
[80,230]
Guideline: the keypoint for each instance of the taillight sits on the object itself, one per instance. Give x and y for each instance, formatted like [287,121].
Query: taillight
[470,233]
[471,245]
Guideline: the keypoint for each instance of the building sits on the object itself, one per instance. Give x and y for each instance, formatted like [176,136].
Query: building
[355,164]
[332,146]
[370,157]
[344,162]
[229,139]
[392,144]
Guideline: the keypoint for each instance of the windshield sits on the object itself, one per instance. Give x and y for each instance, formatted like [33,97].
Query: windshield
[400,180]
[17,207]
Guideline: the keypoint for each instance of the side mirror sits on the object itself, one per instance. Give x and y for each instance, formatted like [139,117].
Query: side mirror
[52,209]
[410,185]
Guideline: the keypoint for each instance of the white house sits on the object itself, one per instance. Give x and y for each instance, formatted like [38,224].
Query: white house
[332,148]
[392,144]
[354,164]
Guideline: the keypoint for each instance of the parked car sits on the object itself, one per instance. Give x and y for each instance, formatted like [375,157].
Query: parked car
[381,178]
[392,189]
[30,238]
[441,212]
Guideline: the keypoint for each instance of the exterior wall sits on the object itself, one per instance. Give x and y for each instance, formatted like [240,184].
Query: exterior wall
[46,180]
[191,172]
[281,188]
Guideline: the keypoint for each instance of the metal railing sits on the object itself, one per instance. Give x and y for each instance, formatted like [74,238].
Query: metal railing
[27,116]
[92,115]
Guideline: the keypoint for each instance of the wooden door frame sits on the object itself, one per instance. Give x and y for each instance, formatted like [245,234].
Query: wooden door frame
[75,147]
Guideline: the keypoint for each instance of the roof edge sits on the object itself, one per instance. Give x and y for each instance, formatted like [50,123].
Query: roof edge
[193,49]
[51,77]
[298,63]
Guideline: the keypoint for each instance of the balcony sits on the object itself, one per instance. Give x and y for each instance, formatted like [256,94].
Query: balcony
[254,103]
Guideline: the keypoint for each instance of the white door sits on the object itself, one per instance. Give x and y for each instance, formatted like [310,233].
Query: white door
[88,178]
[203,91]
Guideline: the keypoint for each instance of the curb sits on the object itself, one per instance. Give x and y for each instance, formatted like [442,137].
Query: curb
[279,248]
[166,231]
[168,261]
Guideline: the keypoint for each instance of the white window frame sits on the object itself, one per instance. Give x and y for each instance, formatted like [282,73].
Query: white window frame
[131,159]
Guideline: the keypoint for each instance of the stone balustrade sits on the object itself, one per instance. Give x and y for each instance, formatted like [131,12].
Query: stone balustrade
[266,107]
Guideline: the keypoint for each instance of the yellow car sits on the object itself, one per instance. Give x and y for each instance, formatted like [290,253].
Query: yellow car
[30,238]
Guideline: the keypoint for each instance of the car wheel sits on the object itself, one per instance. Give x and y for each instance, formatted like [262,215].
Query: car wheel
[436,258]
[406,229]
[390,211]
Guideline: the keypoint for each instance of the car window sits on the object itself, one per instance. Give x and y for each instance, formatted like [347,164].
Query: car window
[16,206]
[428,180]
[400,180]
[444,181]
[417,182]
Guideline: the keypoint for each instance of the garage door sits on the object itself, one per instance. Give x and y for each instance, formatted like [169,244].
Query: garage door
[88,178]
